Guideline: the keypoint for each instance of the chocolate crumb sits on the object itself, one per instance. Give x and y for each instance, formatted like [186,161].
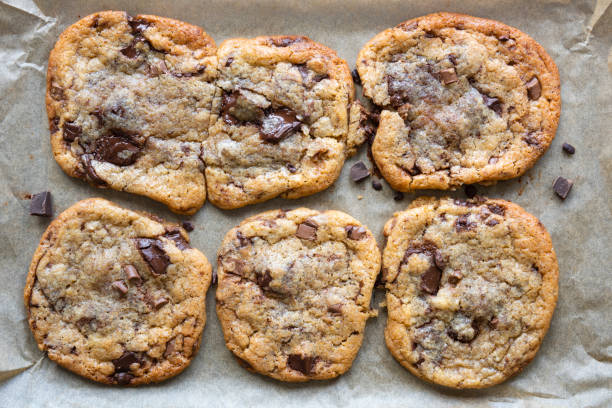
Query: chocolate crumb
[188,226]
[568,148]
[376,184]
[562,187]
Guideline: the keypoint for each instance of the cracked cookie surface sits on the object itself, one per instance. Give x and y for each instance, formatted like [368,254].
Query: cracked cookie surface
[471,289]
[462,100]
[294,292]
[117,296]
[283,120]
[129,101]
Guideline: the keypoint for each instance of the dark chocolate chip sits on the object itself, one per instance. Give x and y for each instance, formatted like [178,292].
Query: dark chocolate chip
[130,51]
[534,89]
[376,184]
[178,239]
[452,58]
[496,209]
[462,223]
[116,150]
[228,102]
[439,259]
[448,76]
[188,226]
[430,280]
[285,41]
[335,309]
[492,222]
[398,196]
[199,71]
[356,77]
[56,93]
[40,204]
[123,378]
[242,240]
[229,61]
[454,277]
[123,363]
[291,168]
[503,38]
[303,364]
[492,103]
[562,187]
[568,148]
[408,25]
[470,190]
[430,34]
[159,302]
[354,232]
[138,25]
[531,139]
[132,274]
[71,131]
[359,171]
[152,251]
[263,279]
[278,124]
[120,287]
[90,172]
[307,230]
[53,124]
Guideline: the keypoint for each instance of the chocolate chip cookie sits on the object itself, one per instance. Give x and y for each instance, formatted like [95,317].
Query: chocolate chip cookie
[471,289]
[294,292]
[117,296]
[459,100]
[129,102]
[282,123]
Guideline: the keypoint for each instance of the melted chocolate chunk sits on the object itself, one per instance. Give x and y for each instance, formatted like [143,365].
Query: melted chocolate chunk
[130,51]
[355,233]
[496,209]
[123,363]
[303,364]
[123,378]
[90,172]
[356,77]
[152,251]
[278,124]
[263,279]
[562,187]
[568,148]
[71,131]
[178,239]
[359,172]
[534,89]
[285,41]
[188,226]
[462,223]
[492,103]
[132,274]
[430,280]
[53,125]
[40,204]
[532,140]
[116,150]
[242,240]
[307,230]
[137,25]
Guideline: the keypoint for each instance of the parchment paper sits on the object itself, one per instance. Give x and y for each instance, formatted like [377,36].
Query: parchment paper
[574,365]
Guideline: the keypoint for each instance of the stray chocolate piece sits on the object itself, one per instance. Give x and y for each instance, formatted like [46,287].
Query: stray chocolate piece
[470,191]
[132,274]
[376,184]
[359,172]
[158,303]
[398,196]
[562,187]
[188,226]
[120,287]
[307,230]
[40,204]
[448,76]
[568,148]
[355,233]
[303,364]
[534,89]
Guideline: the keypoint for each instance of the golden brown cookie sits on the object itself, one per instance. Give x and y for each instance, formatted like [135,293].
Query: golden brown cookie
[461,100]
[471,289]
[294,292]
[117,296]
[129,101]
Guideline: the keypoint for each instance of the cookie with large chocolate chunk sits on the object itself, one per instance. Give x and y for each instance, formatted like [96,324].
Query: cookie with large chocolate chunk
[294,292]
[463,100]
[129,102]
[117,296]
[283,120]
[471,289]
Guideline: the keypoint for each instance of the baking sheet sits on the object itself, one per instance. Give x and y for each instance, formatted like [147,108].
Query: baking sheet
[574,365]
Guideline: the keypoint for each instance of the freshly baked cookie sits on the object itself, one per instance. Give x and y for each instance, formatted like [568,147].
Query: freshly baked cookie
[117,296]
[471,288]
[462,100]
[294,292]
[129,101]
[283,120]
